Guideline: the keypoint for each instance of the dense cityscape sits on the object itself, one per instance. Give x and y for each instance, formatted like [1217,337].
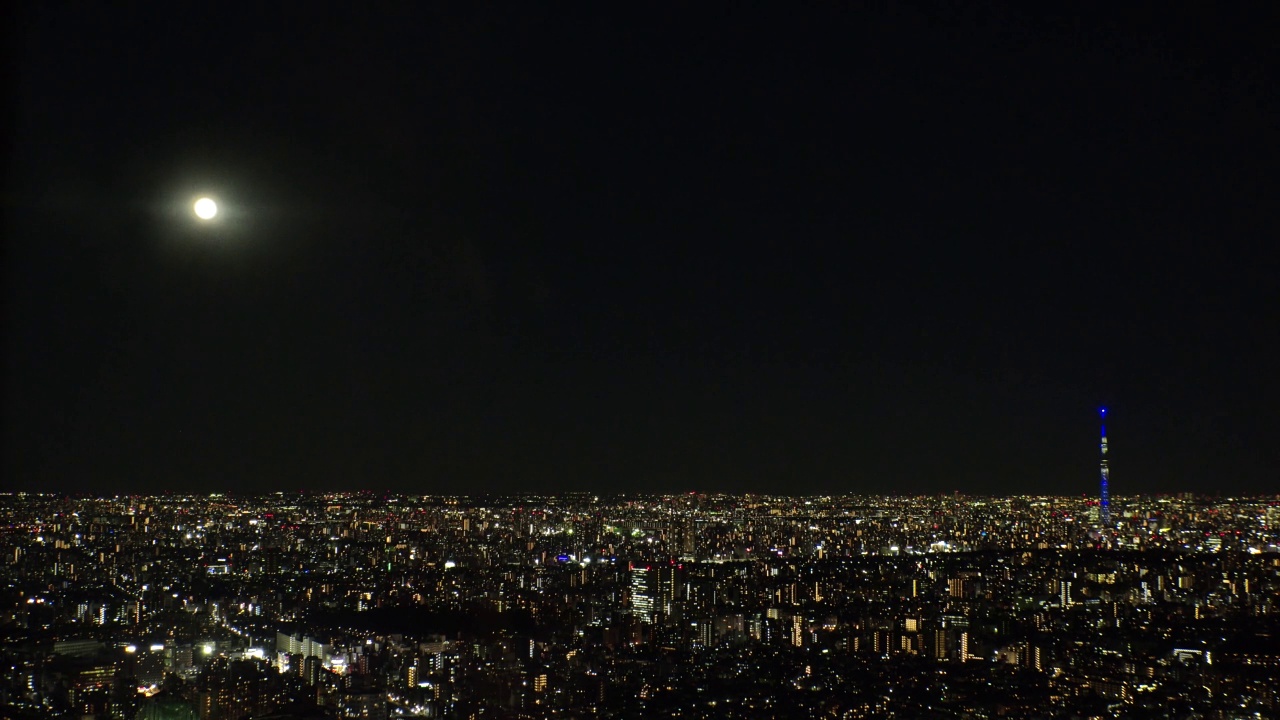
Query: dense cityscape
[369,605]
[507,361]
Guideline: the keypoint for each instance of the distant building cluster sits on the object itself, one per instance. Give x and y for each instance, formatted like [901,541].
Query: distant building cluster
[582,606]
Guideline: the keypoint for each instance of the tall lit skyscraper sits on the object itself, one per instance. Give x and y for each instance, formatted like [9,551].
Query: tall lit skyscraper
[1104,507]
[653,592]
[643,592]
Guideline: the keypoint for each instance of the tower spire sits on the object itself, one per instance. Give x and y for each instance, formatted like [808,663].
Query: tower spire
[1104,505]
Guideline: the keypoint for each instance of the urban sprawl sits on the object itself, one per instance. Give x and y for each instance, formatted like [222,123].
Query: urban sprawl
[363,605]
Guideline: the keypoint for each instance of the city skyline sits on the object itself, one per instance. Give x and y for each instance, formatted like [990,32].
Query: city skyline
[319,606]
[456,250]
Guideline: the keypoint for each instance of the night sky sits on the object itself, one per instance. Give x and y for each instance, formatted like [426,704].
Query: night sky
[903,250]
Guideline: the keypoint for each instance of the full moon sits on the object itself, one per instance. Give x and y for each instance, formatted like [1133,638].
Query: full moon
[206,209]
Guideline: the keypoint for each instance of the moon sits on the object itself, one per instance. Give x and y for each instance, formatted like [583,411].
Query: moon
[206,208]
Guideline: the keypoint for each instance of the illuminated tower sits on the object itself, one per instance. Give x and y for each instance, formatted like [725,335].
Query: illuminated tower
[1104,508]
[643,592]
[653,592]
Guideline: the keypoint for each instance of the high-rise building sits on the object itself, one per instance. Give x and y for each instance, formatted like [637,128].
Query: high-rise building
[880,641]
[1104,506]
[643,594]
[301,645]
[940,643]
[797,631]
[653,593]
[311,668]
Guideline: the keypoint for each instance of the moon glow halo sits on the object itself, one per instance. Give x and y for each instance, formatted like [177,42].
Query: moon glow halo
[205,208]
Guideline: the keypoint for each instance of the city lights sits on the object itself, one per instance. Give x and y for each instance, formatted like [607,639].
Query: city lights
[969,601]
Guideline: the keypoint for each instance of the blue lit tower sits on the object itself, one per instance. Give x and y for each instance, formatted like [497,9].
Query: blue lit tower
[1105,506]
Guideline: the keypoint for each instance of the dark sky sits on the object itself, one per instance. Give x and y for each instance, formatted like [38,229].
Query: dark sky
[900,250]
